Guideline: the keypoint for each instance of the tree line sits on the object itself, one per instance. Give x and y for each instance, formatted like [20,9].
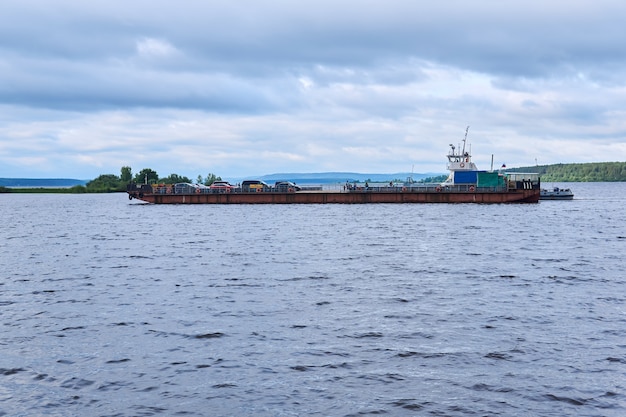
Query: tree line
[584,172]
[108,183]
[112,183]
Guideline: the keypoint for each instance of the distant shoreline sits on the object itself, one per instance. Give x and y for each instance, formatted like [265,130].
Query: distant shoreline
[24,183]
[77,189]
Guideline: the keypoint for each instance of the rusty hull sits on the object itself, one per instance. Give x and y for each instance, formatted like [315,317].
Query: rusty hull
[338,197]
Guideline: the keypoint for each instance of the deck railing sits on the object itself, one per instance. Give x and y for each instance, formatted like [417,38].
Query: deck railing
[413,188]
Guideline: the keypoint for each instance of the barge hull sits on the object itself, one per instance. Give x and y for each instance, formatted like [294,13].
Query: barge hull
[330,197]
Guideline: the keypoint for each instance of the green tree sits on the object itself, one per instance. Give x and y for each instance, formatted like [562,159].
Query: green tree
[78,189]
[127,175]
[211,178]
[104,184]
[173,179]
[148,175]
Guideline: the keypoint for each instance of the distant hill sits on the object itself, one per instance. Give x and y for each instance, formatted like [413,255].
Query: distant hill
[339,177]
[40,182]
[587,172]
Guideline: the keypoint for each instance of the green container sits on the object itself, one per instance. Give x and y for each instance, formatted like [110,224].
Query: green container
[490,179]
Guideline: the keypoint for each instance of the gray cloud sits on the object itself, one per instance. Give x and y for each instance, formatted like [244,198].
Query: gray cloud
[277,85]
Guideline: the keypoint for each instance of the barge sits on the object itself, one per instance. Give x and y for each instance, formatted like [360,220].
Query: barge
[465,184]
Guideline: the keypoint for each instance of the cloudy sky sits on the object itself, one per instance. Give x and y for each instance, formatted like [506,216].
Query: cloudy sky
[251,87]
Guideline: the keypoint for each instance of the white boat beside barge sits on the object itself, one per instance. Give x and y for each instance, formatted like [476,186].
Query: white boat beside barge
[556,193]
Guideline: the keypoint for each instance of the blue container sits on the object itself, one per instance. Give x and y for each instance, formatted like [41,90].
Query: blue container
[465,177]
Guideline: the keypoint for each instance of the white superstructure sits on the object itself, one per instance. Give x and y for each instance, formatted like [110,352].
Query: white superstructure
[460,160]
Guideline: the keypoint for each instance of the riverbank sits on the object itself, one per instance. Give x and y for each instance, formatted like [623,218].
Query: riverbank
[77,189]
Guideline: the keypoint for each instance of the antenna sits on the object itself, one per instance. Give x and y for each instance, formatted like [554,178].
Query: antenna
[464,139]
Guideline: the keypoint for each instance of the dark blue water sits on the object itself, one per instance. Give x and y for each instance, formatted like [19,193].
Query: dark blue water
[113,308]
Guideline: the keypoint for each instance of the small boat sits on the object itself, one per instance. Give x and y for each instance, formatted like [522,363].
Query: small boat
[556,193]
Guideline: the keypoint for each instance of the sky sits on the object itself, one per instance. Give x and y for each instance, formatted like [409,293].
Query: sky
[240,88]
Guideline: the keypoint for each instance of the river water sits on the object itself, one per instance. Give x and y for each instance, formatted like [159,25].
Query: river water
[117,308]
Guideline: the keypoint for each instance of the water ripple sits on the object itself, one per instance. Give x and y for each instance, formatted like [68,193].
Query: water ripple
[111,308]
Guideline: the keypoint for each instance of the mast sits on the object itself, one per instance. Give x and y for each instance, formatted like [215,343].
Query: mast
[465,139]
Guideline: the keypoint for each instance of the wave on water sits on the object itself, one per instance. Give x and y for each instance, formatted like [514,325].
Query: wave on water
[114,309]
